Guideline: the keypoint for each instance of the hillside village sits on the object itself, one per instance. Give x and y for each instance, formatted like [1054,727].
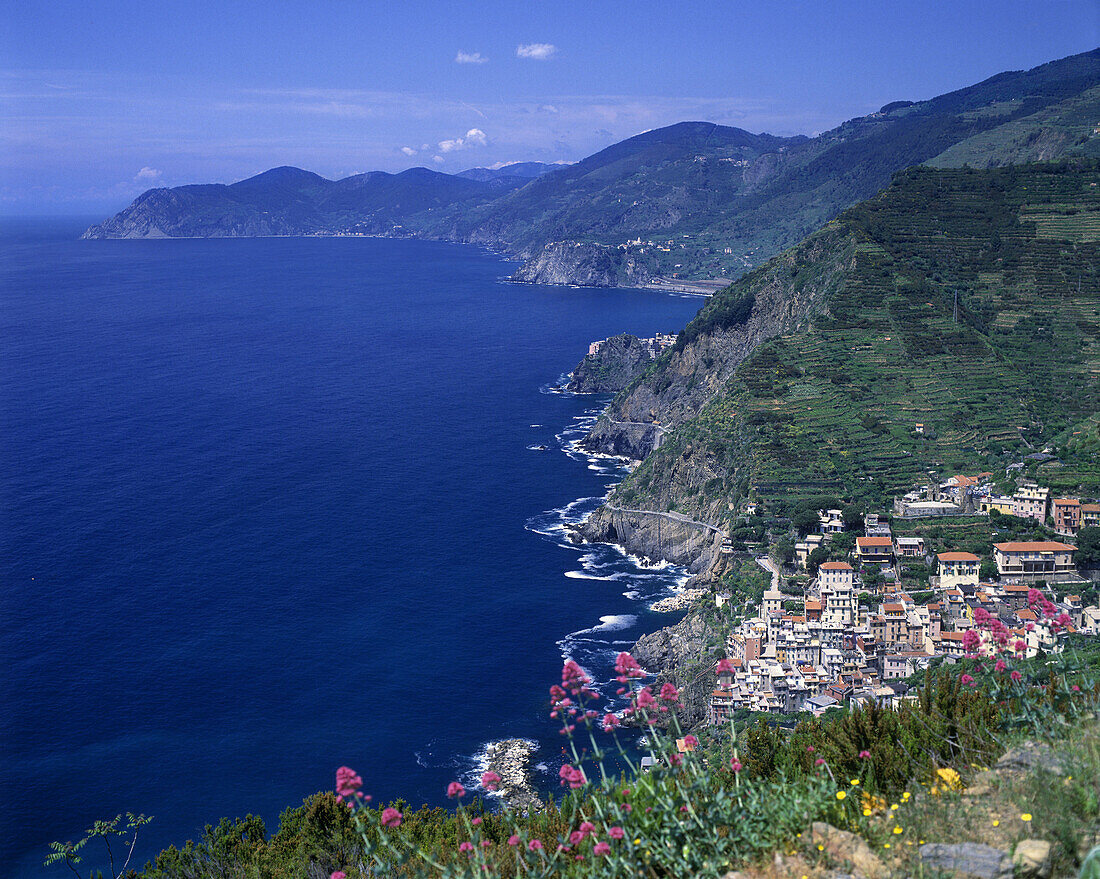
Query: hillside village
[844,628]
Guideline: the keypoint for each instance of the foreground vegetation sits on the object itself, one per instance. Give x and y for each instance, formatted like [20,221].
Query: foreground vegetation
[894,778]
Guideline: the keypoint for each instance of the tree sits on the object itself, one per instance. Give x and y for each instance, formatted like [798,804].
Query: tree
[1088,547]
[783,550]
[816,558]
[805,520]
[853,517]
[988,571]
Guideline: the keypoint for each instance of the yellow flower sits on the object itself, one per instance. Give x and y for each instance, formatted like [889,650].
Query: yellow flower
[921,842]
[905,796]
[996,823]
[855,781]
[886,845]
[893,807]
[1025,817]
[637,841]
[840,795]
[866,811]
[897,830]
[820,848]
[950,778]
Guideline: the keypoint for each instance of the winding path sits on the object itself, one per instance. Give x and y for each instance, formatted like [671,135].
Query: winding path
[675,517]
[768,565]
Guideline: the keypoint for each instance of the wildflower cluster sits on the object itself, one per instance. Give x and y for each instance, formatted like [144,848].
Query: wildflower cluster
[1010,686]
[677,818]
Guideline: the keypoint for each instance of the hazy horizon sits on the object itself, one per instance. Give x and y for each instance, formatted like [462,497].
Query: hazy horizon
[101,105]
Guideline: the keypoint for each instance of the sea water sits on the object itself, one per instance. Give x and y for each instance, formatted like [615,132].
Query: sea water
[271,506]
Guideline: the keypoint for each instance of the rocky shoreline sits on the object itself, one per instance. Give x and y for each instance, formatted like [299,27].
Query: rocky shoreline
[509,759]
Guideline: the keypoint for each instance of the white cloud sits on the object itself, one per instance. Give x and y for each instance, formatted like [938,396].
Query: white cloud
[408,151]
[473,137]
[470,58]
[537,51]
[147,173]
[437,159]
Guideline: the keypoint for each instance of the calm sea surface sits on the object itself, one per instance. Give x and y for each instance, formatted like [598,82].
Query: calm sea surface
[270,506]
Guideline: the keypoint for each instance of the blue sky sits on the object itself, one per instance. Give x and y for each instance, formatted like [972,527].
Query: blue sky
[102,100]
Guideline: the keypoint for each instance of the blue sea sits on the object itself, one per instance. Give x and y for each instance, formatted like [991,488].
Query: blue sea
[271,506]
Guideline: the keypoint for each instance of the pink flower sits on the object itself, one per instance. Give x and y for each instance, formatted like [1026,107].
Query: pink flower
[476,821]
[601,849]
[669,693]
[981,616]
[1020,646]
[391,818]
[573,677]
[338,874]
[675,759]
[347,781]
[819,761]
[1075,688]
[864,755]
[690,741]
[576,837]
[1064,620]
[1016,676]
[1034,596]
[725,667]
[735,765]
[513,840]
[616,832]
[610,721]
[571,776]
[534,845]
[626,667]
[971,640]
[626,807]
[485,843]
[645,699]
[1000,666]
[587,827]
[490,780]
[455,790]
[466,847]
[967,681]
[626,792]
[809,749]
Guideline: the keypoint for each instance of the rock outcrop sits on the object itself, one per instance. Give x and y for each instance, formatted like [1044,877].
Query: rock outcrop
[584,265]
[509,759]
[619,360]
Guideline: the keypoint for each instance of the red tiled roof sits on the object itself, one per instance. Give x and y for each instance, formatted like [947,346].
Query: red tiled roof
[874,541]
[835,566]
[1034,546]
[957,557]
[1067,501]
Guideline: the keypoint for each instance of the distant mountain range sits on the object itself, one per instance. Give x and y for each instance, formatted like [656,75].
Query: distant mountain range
[693,200]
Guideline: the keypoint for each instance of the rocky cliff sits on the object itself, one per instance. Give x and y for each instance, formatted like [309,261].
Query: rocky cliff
[616,364]
[585,265]
[775,300]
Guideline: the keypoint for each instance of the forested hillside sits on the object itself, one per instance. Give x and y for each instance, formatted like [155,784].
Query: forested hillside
[965,300]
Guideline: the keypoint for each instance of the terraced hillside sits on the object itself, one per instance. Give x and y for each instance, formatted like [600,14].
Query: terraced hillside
[966,301]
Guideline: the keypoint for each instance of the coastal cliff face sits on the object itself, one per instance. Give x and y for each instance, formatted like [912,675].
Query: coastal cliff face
[682,655]
[616,364]
[778,302]
[584,265]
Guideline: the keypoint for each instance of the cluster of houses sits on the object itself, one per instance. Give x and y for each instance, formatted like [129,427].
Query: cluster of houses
[962,495]
[834,649]
[655,346]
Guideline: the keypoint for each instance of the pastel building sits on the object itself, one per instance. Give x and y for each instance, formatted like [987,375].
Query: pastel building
[958,569]
[1034,559]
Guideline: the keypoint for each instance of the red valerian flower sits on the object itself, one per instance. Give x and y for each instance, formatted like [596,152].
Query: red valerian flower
[490,780]
[391,818]
[455,790]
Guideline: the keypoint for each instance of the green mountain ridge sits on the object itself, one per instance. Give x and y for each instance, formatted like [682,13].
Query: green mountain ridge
[698,200]
[808,375]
